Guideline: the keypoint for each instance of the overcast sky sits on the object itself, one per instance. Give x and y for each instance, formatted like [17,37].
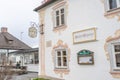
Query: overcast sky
[16,15]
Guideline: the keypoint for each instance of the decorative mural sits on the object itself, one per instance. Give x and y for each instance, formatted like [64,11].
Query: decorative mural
[112,13]
[107,47]
[61,45]
[58,5]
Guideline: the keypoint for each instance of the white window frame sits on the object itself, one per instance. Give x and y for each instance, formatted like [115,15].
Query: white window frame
[108,5]
[113,57]
[56,59]
[55,20]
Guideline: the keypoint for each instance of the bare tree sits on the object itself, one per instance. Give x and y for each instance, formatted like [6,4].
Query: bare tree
[5,68]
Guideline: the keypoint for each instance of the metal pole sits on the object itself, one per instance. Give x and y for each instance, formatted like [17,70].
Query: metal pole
[7,56]
[21,35]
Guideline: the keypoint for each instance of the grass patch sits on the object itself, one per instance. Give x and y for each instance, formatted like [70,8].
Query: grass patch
[40,79]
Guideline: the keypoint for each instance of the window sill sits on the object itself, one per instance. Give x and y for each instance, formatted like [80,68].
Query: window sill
[112,12]
[115,74]
[61,70]
[59,28]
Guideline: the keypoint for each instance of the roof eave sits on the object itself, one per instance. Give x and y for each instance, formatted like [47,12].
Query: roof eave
[44,5]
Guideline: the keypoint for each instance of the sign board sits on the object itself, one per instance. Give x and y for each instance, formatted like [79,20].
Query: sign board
[84,35]
[32,32]
[85,57]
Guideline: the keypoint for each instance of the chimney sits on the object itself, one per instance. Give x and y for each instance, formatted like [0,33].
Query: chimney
[4,29]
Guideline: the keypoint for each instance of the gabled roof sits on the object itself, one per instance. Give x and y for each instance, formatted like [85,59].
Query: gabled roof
[44,5]
[8,41]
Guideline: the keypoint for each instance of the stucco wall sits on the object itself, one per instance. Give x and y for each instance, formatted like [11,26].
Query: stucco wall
[82,14]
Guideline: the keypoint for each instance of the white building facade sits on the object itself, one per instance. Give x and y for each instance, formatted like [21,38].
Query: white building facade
[81,39]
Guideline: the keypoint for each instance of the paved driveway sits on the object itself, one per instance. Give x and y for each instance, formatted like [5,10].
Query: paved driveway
[27,76]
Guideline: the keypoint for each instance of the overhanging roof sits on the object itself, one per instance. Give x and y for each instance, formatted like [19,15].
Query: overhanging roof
[25,51]
[8,41]
[44,5]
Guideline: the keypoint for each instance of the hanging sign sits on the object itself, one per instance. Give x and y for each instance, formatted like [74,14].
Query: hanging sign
[32,32]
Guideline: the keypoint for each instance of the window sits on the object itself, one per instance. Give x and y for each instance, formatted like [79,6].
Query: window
[31,58]
[61,59]
[10,41]
[112,49]
[36,59]
[116,56]
[26,59]
[113,4]
[59,17]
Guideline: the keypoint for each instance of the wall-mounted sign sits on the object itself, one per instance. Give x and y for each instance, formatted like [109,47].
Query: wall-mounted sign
[85,57]
[32,32]
[48,43]
[84,35]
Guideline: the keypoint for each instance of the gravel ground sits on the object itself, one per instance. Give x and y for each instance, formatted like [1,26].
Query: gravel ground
[27,76]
